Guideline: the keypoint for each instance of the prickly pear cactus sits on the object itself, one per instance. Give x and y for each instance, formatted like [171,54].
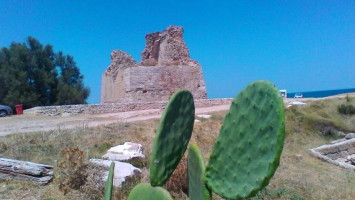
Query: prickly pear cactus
[196,171]
[109,182]
[248,148]
[173,135]
[144,191]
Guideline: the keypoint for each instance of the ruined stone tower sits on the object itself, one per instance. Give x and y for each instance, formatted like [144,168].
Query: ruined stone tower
[165,67]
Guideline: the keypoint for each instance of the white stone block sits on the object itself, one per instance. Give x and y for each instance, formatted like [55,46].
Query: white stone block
[121,172]
[123,152]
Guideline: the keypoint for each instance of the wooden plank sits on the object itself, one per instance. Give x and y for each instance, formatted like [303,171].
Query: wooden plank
[25,171]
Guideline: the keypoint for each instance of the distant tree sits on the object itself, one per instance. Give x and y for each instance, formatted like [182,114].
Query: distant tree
[34,75]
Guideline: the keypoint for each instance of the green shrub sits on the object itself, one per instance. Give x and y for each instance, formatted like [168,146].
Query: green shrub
[346,109]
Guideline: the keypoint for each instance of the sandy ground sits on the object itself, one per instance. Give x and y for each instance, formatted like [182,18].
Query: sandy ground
[29,123]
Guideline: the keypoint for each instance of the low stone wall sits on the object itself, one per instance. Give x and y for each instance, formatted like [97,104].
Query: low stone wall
[114,107]
[337,154]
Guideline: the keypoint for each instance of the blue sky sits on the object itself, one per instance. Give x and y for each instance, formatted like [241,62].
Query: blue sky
[299,45]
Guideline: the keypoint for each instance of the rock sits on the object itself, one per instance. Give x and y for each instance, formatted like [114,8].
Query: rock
[204,116]
[351,159]
[349,136]
[341,134]
[124,152]
[121,172]
[166,67]
[351,150]
[299,156]
[337,141]
[197,121]
[340,160]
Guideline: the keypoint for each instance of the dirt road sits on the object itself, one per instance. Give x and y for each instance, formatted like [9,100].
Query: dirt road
[29,123]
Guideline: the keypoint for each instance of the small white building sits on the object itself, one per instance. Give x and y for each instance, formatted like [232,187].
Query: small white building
[283,93]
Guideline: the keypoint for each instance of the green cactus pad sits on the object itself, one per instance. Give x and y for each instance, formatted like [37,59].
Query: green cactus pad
[109,182]
[248,148]
[173,135]
[196,169]
[144,191]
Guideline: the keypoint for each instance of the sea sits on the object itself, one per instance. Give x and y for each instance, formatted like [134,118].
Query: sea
[323,93]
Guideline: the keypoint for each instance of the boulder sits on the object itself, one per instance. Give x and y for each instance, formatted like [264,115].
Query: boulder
[121,173]
[124,152]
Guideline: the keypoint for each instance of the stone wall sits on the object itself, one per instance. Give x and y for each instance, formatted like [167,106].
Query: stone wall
[337,153]
[166,67]
[113,82]
[158,83]
[114,107]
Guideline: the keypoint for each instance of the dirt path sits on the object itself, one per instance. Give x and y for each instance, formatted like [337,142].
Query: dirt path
[29,123]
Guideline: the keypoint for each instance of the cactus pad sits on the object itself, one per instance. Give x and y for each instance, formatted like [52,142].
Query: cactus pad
[109,182]
[248,148]
[196,169]
[144,191]
[173,135]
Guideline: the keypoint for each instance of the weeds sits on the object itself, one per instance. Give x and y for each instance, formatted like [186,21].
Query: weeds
[94,186]
[178,183]
[279,193]
[347,98]
[71,170]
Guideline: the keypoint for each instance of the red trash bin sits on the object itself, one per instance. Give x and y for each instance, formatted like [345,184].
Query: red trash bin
[19,109]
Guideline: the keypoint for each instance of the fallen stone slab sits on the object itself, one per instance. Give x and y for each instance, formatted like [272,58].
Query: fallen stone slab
[124,152]
[121,173]
[25,171]
[337,153]
[204,116]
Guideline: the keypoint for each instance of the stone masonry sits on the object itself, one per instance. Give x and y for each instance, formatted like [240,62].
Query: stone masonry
[165,67]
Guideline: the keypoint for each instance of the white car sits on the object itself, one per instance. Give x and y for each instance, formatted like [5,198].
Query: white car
[298,95]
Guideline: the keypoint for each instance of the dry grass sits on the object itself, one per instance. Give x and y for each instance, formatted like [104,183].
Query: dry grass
[299,176]
[177,184]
